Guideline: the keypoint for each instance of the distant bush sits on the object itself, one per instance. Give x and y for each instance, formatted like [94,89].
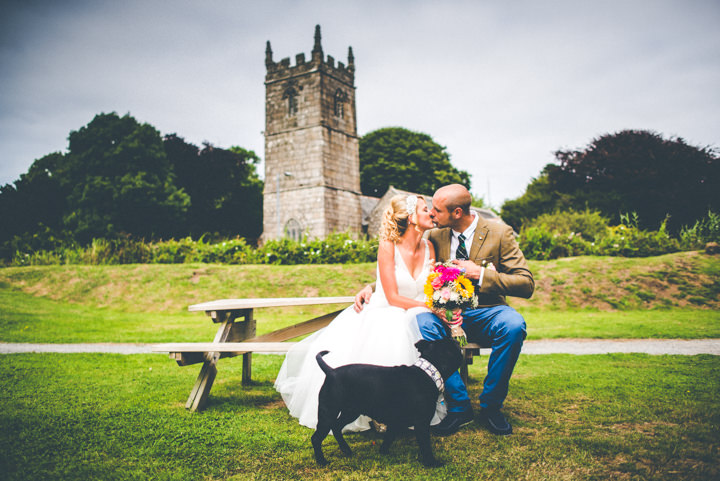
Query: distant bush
[340,248]
[230,251]
[549,236]
[564,234]
[630,241]
[703,231]
[99,252]
[541,244]
[590,224]
[335,249]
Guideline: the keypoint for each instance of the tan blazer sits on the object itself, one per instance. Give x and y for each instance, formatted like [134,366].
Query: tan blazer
[493,242]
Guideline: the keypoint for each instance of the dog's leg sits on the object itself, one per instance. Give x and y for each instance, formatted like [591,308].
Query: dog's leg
[342,421]
[388,438]
[422,436]
[326,416]
[316,439]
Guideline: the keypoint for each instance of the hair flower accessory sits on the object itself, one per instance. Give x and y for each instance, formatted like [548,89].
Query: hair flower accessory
[411,205]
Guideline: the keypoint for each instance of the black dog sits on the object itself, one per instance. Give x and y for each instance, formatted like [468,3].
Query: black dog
[399,396]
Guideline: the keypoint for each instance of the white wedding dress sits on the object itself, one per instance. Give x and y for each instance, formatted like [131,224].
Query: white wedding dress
[380,334]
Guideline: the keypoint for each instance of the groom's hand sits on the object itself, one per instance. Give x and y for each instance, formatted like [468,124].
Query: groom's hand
[472,270]
[362,298]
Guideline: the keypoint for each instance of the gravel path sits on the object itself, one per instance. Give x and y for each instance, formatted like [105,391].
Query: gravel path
[555,346]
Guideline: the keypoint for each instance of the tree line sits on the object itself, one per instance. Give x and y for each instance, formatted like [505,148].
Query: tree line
[120,177]
[123,179]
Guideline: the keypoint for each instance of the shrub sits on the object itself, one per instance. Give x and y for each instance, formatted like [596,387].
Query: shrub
[341,248]
[630,241]
[174,251]
[548,237]
[100,251]
[703,231]
[589,224]
[541,244]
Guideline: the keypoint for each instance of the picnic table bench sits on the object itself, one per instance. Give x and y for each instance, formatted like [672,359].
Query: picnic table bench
[236,335]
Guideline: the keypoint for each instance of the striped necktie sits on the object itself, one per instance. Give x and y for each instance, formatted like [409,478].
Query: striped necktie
[461,252]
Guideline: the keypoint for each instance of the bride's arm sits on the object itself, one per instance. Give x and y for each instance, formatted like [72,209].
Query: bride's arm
[386,266]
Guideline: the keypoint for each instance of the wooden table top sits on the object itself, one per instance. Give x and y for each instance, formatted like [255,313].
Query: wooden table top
[233,304]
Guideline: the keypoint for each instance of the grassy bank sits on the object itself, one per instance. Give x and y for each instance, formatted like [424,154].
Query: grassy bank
[670,296]
[27,318]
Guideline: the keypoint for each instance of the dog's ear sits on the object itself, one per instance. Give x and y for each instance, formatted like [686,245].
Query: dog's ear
[421,345]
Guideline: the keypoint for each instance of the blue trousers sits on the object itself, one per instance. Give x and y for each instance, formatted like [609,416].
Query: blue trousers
[500,327]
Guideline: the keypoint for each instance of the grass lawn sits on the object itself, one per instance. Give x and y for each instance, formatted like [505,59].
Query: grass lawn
[104,416]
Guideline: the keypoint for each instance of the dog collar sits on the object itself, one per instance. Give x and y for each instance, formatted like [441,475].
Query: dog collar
[431,371]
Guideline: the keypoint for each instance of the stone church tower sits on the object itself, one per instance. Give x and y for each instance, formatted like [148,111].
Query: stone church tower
[312,166]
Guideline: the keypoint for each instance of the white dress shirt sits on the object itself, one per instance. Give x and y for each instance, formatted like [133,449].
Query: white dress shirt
[469,233]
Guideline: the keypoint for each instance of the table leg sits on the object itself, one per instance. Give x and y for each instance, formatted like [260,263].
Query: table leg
[247,368]
[247,357]
[204,382]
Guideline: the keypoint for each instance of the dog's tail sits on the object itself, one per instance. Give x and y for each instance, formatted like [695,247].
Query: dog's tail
[323,365]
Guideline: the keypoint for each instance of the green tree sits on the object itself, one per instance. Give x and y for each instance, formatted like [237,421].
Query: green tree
[31,209]
[640,171]
[539,197]
[34,200]
[478,201]
[118,181]
[408,160]
[629,171]
[224,188]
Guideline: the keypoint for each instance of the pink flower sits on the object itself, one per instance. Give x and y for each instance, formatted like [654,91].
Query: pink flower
[445,294]
[447,274]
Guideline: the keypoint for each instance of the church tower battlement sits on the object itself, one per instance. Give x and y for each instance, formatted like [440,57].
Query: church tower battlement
[312,166]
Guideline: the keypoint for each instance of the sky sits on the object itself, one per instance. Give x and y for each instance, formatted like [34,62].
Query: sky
[502,84]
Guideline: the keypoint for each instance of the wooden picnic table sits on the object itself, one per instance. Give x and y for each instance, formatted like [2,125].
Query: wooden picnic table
[236,335]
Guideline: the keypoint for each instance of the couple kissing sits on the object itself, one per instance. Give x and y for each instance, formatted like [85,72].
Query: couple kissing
[383,326]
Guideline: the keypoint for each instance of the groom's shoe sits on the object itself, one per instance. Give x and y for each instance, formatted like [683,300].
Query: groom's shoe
[452,422]
[495,421]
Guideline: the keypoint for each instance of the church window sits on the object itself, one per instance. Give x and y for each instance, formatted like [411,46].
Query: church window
[340,99]
[292,105]
[293,230]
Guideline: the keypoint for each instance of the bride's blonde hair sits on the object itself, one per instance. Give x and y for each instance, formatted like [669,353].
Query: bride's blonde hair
[397,217]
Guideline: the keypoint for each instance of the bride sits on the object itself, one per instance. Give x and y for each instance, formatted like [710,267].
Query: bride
[385,331]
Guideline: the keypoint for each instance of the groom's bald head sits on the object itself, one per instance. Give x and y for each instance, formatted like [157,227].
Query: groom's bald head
[451,207]
[454,196]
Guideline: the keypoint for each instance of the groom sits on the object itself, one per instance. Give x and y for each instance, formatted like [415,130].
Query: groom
[490,255]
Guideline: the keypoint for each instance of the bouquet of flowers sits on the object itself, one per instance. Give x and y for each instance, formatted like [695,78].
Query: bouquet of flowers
[447,289]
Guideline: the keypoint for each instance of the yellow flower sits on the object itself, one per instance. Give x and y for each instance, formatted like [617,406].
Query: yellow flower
[465,287]
[428,285]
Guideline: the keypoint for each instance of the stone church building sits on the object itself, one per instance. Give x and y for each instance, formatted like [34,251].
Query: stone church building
[312,162]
